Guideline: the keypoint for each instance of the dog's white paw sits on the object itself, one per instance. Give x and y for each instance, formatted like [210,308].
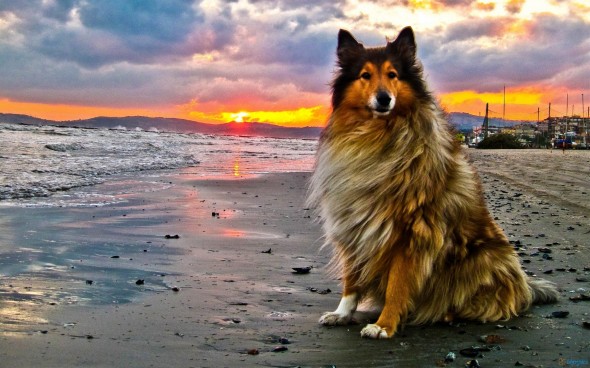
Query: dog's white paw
[335,319]
[373,331]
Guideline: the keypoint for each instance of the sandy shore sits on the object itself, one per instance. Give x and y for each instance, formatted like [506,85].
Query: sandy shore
[104,287]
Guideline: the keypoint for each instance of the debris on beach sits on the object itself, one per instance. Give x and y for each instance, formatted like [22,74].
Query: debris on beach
[475,351]
[269,251]
[492,339]
[302,270]
[278,349]
[89,282]
[140,282]
[450,357]
[172,236]
[316,290]
[580,298]
[253,352]
[559,314]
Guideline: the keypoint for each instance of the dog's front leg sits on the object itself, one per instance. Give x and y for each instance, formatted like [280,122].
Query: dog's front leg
[402,283]
[350,298]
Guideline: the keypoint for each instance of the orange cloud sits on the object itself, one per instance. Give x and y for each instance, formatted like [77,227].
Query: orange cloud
[63,112]
[304,116]
[521,104]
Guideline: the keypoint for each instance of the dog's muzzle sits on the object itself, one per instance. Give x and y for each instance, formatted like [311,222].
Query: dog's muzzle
[382,103]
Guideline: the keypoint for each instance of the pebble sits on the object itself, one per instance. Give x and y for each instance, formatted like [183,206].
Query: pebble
[559,314]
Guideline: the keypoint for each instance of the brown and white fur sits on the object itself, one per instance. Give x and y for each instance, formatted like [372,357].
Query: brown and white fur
[401,206]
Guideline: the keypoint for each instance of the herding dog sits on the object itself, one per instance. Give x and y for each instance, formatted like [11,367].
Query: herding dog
[402,207]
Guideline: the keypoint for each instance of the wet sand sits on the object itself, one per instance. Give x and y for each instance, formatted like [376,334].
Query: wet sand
[224,293]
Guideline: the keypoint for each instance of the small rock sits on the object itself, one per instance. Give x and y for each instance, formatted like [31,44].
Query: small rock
[269,251]
[450,357]
[172,236]
[140,282]
[580,298]
[253,352]
[302,270]
[278,349]
[284,341]
[559,314]
[492,339]
[89,282]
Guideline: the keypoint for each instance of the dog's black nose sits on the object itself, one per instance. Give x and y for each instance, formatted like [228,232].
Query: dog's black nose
[383,98]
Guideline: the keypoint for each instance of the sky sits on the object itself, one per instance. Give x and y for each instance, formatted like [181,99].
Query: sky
[273,60]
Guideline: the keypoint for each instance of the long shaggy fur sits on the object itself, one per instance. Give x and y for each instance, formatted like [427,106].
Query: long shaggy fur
[401,206]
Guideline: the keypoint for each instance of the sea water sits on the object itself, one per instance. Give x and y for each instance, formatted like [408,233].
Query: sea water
[40,164]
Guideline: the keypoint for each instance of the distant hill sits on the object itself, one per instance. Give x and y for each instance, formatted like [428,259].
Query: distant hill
[462,121]
[172,125]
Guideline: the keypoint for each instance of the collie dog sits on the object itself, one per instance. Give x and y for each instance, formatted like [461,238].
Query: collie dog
[404,211]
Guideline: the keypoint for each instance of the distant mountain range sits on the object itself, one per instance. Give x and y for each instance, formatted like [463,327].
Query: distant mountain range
[461,121]
[171,125]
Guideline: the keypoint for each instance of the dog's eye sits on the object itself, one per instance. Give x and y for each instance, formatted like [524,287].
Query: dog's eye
[366,75]
[391,75]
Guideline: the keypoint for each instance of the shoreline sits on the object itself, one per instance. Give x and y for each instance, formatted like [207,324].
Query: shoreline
[236,302]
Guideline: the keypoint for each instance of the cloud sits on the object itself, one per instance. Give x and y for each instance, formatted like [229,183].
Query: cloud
[272,53]
[487,56]
[514,6]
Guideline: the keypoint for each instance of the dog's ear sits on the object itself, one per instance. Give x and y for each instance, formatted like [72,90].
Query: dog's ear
[404,44]
[348,46]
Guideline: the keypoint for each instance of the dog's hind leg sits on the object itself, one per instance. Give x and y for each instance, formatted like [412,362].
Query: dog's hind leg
[347,306]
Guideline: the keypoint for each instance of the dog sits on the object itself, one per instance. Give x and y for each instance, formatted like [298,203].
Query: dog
[402,207]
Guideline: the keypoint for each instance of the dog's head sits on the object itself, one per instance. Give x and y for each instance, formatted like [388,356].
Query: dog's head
[378,82]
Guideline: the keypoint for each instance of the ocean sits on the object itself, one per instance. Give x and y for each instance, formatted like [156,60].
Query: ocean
[40,164]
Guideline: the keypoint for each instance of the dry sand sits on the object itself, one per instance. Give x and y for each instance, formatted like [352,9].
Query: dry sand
[224,295]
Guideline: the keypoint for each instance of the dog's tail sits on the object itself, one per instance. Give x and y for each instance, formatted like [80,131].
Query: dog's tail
[544,292]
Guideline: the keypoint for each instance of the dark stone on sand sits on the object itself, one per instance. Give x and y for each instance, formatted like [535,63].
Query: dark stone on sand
[253,352]
[284,340]
[474,351]
[140,282]
[302,270]
[175,289]
[580,298]
[172,236]
[269,251]
[115,257]
[586,325]
[559,314]
[279,349]
[472,364]
[89,282]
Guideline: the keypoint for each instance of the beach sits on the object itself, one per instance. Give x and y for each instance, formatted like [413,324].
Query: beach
[182,270]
